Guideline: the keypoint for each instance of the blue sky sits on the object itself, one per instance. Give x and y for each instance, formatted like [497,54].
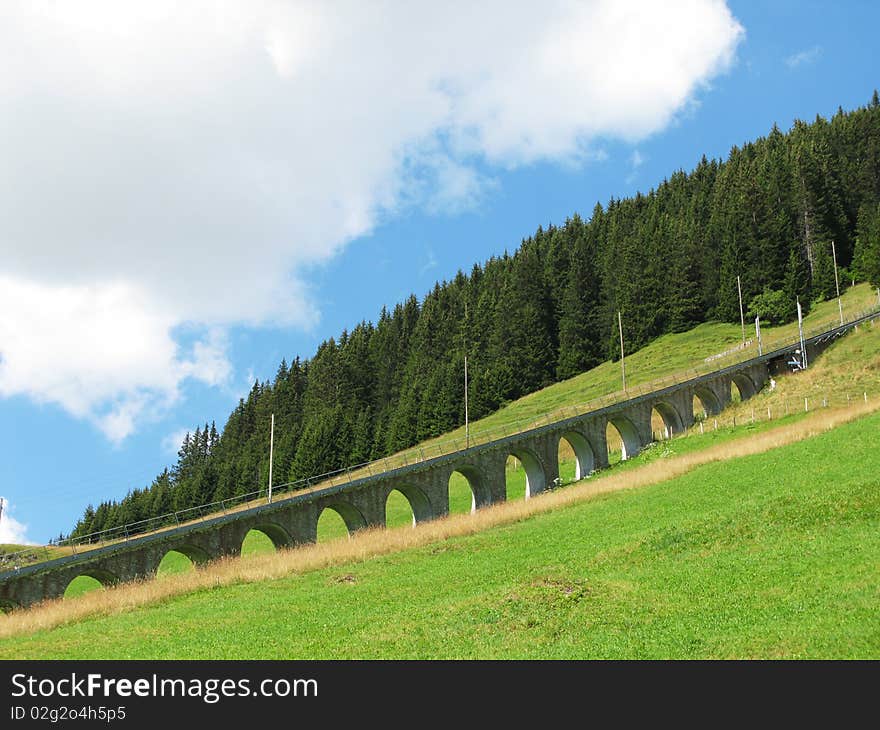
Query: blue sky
[189,202]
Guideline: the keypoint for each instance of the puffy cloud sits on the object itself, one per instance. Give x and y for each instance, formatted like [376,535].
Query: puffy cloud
[12,532]
[104,352]
[170,165]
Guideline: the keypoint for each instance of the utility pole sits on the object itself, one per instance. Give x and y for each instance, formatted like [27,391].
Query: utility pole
[837,281]
[622,363]
[1,510]
[801,331]
[467,425]
[758,335]
[742,316]
[271,454]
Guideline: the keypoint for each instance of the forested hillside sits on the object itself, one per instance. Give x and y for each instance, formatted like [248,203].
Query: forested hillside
[668,260]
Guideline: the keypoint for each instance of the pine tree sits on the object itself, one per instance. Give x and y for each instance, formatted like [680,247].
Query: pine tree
[579,344]
[823,285]
[668,259]
[866,260]
[796,285]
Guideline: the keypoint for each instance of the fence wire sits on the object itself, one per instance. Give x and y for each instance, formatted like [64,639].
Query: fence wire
[712,365]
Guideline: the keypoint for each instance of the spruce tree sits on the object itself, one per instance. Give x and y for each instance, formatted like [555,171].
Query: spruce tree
[796,284]
[823,285]
[866,260]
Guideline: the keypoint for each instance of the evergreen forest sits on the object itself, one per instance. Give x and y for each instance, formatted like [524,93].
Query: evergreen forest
[668,259]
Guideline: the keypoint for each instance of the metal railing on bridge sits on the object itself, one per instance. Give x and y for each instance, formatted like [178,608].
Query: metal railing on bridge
[414,455]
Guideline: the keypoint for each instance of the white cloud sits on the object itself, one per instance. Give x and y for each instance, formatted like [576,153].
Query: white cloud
[12,532]
[103,352]
[171,443]
[803,58]
[169,165]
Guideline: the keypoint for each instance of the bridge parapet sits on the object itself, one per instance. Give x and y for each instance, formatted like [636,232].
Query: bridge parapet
[362,503]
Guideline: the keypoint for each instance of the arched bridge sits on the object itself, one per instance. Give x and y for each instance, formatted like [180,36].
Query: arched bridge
[362,502]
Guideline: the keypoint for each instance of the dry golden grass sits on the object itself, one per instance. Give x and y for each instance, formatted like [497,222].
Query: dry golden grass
[376,542]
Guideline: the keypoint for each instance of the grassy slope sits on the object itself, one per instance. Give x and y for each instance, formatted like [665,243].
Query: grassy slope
[667,355]
[770,555]
[849,367]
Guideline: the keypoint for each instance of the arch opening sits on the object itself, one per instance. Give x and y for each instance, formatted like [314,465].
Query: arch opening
[89,581]
[196,555]
[338,520]
[398,511]
[623,439]
[576,457]
[523,474]
[406,505]
[665,421]
[265,538]
[705,403]
[467,490]
[741,387]
[174,562]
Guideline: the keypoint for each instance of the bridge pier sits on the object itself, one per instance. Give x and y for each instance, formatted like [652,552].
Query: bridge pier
[486,475]
[546,449]
[427,492]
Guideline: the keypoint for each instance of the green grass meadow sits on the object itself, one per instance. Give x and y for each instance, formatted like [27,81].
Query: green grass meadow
[774,556]
[622,575]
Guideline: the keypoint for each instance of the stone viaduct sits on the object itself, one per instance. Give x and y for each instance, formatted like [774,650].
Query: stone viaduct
[361,503]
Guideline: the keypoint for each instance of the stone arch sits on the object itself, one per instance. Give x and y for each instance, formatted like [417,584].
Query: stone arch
[629,436]
[179,559]
[744,384]
[350,515]
[672,422]
[276,533]
[481,495]
[197,555]
[79,584]
[104,577]
[708,399]
[418,502]
[584,455]
[536,480]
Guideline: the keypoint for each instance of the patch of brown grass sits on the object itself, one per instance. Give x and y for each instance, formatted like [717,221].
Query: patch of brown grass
[375,542]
